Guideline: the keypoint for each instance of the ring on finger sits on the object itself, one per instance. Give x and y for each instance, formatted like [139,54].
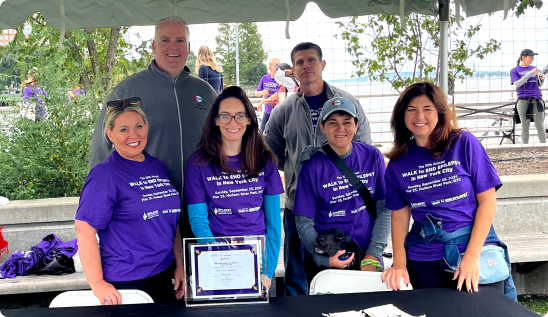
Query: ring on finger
[107,300]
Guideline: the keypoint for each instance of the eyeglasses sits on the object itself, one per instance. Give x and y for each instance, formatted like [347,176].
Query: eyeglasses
[226,118]
[123,103]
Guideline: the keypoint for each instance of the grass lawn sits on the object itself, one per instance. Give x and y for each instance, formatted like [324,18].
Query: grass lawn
[538,303]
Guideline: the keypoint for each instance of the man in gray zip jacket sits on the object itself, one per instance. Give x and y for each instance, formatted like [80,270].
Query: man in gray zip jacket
[292,127]
[176,105]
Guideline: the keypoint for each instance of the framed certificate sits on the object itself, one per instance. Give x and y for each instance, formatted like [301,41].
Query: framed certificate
[225,269]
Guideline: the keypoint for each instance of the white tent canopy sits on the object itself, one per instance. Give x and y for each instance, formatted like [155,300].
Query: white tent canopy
[77,14]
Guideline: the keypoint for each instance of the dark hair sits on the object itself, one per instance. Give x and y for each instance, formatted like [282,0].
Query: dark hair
[444,132]
[255,153]
[305,46]
[284,66]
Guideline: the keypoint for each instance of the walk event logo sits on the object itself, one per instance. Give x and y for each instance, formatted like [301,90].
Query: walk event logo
[150,215]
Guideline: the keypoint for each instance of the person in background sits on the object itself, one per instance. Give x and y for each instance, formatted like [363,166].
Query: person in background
[268,87]
[232,146]
[176,103]
[530,107]
[34,97]
[208,69]
[317,206]
[135,219]
[293,126]
[286,79]
[443,178]
[287,85]
[76,92]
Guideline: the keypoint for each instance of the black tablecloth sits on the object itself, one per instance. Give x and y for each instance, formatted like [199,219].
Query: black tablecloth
[432,302]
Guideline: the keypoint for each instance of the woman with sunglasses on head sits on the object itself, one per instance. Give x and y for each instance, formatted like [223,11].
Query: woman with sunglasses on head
[233,158]
[130,203]
[443,178]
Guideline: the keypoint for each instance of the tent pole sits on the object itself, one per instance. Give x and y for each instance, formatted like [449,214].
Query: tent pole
[444,41]
[237,55]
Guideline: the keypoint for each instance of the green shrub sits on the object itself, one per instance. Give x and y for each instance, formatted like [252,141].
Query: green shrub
[48,158]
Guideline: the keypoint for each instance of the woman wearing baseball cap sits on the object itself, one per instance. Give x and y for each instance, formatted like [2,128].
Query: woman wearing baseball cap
[327,199]
[530,107]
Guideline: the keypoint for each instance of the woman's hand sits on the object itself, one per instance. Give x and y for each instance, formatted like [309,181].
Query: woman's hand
[179,285]
[265,92]
[267,281]
[107,294]
[468,271]
[335,263]
[393,277]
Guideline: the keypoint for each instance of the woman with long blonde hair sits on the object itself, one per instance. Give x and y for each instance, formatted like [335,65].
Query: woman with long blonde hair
[208,69]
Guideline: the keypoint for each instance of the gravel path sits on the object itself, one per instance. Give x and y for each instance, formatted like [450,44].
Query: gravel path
[521,162]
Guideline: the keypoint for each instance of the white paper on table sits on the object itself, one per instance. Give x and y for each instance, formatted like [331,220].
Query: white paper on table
[379,311]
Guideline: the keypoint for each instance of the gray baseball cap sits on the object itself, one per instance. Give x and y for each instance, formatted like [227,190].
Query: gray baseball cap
[337,104]
[527,52]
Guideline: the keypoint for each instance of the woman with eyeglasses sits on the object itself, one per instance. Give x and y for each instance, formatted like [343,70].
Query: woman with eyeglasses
[130,203]
[232,184]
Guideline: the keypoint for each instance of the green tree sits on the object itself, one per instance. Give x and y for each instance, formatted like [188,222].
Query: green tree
[49,158]
[225,52]
[251,51]
[252,54]
[191,63]
[401,55]
[94,58]
[524,4]
[10,74]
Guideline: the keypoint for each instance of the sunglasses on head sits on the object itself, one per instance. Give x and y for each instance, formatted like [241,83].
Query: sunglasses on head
[124,103]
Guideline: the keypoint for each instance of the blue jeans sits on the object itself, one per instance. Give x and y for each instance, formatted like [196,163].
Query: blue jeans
[264,120]
[295,275]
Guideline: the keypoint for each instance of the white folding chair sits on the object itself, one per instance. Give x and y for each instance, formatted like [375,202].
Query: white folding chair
[345,281]
[86,298]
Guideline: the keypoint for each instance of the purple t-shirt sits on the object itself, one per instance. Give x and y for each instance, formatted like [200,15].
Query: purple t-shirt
[234,202]
[135,209]
[268,83]
[35,92]
[530,88]
[324,193]
[445,188]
